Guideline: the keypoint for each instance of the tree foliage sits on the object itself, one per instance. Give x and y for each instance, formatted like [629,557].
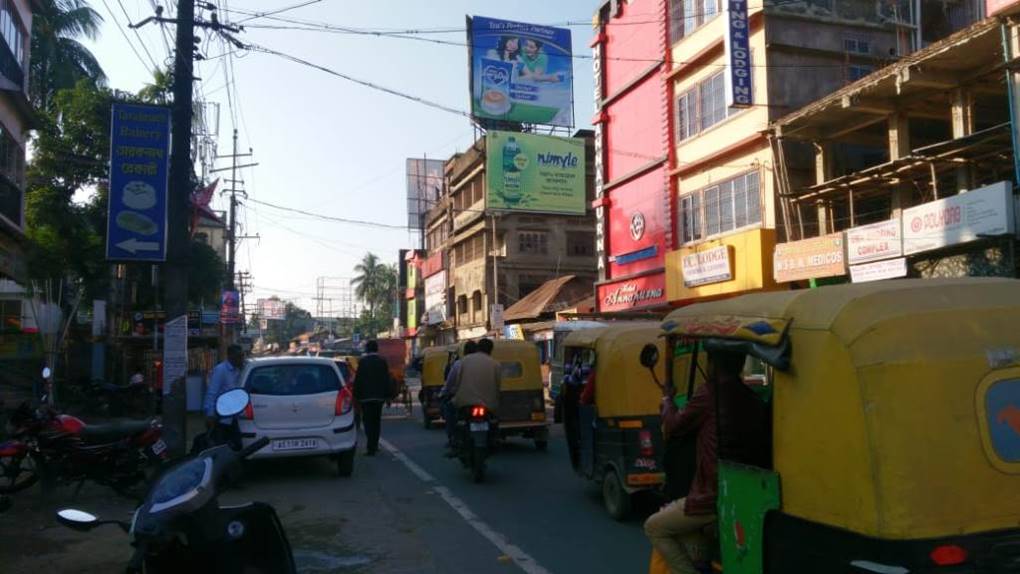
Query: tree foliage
[375,285]
[59,60]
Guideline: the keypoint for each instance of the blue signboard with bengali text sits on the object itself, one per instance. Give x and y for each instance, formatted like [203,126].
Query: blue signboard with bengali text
[139,172]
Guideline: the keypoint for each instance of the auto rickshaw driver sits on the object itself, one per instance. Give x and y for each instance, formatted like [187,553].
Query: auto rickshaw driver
[742,425]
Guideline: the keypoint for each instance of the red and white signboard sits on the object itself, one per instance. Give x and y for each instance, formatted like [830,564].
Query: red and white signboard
[637,293]
[882,240]
[708,266]
[987,211]
[888,269]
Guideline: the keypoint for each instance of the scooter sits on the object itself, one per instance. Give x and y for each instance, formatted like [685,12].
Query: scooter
[477,431]
[180,527]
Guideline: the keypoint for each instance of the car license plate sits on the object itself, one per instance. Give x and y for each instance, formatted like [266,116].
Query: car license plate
[479,427]
[158,447]
[295,444]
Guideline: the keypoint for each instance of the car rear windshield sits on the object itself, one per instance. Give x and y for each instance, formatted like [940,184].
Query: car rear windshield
[284,380]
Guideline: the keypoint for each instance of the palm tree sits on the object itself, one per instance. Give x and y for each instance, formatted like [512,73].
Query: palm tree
[369,281]
[59,60]
[160,90]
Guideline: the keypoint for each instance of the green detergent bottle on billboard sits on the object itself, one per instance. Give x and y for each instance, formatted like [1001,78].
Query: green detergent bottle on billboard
[511,173]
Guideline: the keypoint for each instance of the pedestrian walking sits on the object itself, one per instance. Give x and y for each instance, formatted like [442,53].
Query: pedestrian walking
[225,376]
[373,386]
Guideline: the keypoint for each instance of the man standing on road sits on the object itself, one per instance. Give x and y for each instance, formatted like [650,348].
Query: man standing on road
[225,376]
[448,391]
[479,379]
[372,387]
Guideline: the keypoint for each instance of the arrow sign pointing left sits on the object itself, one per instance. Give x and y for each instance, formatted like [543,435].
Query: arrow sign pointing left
[134,246]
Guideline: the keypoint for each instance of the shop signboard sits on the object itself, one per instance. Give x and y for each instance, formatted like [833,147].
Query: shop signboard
[435,298]
[139,172]
[175,352]
[738,54]
[812,258]
[882,240]
[877,270]
[983,212]
[705,267]
[536,173]
[520,72]
[513,332]
[496,316]
[637,293]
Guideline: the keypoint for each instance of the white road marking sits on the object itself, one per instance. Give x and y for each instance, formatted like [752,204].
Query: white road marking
[520,557]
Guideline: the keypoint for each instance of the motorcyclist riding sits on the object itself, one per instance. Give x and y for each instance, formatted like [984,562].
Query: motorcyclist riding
[479,379]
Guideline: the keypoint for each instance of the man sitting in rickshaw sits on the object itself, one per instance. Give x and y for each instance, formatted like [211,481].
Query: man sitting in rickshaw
[742,420]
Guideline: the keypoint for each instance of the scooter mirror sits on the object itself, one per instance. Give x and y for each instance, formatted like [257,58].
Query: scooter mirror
[232,402]
[77,519]
[46,372]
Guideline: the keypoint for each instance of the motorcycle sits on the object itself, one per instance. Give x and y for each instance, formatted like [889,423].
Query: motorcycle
[64,449]
[181,527]
[477,432]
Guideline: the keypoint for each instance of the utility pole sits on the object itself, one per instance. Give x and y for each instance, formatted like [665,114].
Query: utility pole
[176,280]
[231,255]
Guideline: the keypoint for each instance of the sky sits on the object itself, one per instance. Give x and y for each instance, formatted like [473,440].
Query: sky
[324,144]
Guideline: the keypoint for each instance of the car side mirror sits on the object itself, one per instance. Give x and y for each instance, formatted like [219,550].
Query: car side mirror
[77,519]
[650,356]
[232,402]
[46,372]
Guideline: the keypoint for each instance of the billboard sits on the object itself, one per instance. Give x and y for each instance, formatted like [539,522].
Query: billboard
[435,298]
[980,213]
[272,309]
[812,258]
[520,72]
[527,172]
[424,184]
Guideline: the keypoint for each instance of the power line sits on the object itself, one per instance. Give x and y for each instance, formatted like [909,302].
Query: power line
[374,224]
[127,18]
[280,10]
[391,91]
[127,39]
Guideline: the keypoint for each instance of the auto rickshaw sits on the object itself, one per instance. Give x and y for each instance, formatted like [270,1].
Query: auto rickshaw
[895,426]
[522,395]
[433,374]
[619,437]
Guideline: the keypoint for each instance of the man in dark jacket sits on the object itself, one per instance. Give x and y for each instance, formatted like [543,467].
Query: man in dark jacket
[742,422]
[372,387]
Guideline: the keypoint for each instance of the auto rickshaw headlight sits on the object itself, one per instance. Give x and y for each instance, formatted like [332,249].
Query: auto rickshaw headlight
[649,355]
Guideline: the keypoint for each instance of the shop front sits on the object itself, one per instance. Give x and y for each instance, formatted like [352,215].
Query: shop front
[727,266]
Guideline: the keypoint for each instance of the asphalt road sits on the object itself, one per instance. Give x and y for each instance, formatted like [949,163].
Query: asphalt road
[534,500]
[408,510]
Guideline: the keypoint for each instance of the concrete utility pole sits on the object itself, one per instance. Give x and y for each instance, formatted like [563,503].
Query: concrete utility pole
[176,276]
[232,253]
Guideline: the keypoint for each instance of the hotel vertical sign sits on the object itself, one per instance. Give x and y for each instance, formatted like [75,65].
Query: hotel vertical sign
[738,55]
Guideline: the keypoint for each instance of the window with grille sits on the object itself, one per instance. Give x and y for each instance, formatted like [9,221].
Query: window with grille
[580,243]
[532,243]
[686,16]
[722,208]
[702,107]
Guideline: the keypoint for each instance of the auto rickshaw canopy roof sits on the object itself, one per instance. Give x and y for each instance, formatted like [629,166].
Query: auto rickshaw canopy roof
[848,311]
[900,393]
[623,386]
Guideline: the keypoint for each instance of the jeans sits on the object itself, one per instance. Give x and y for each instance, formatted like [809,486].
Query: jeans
[371,417]
[671,530]
[449,412]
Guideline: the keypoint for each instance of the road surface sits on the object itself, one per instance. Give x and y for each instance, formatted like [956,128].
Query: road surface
[408,510]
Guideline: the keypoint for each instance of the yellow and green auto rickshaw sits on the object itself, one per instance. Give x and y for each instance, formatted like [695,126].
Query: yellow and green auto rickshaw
[617,434]
[522,395]
[435,363]
[895,426]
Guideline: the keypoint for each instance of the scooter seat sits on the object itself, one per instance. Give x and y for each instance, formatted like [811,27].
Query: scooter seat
[114,430]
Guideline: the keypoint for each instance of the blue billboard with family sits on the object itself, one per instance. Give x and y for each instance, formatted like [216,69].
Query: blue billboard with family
[520,72]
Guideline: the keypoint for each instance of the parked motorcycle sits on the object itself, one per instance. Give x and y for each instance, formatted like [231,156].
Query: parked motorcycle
[64,449]
[180,527]
[476,435]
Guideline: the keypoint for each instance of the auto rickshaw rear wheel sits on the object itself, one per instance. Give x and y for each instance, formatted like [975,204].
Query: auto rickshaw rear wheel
[615,496]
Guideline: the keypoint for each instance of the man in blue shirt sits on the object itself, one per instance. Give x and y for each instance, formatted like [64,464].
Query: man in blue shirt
[225,376]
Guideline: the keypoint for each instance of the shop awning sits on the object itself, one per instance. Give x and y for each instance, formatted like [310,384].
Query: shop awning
[554,295]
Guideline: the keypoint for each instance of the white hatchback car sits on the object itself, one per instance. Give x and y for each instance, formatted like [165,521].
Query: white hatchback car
[303,405]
